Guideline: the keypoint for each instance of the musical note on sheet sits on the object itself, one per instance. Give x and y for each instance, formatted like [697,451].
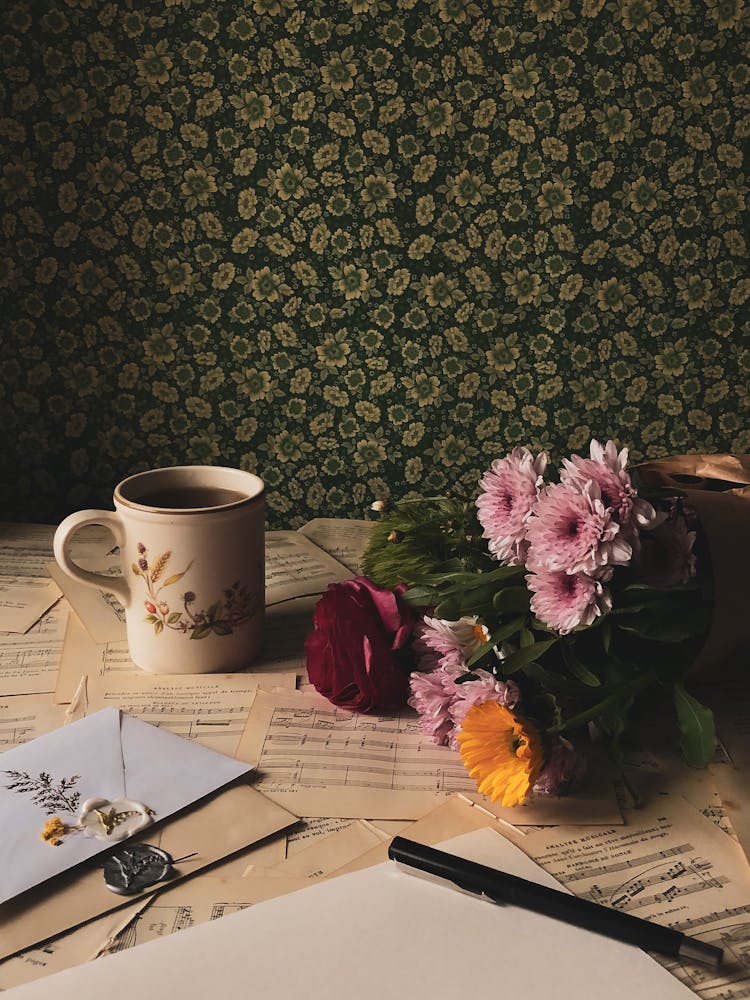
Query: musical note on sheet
[674,867]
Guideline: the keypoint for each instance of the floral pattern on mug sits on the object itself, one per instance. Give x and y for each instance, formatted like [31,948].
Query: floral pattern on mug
[236,606]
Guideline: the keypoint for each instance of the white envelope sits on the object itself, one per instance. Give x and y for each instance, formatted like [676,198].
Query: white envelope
[107,755]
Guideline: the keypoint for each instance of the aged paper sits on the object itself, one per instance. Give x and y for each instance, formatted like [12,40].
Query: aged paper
[51,626]
[669,865]
[99,610]
[345,540]
[382,930]
[327,854]
[312,828]
[197,901]
[110,661]
[67,950]
[297,570]
[23,600]
[26,549]
[450,819]
[228,821]
[24,717]
[209,708]
[320,760]
[28,665]
[732,777]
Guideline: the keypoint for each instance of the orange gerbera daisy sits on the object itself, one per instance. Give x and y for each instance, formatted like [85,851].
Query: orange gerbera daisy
[502,752]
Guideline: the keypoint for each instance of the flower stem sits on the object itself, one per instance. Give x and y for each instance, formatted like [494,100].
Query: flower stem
[633,687]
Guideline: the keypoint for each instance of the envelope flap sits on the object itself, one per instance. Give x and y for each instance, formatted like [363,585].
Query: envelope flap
[166,772]
[50,776]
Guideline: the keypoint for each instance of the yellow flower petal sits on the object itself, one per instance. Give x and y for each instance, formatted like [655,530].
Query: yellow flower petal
[501,751]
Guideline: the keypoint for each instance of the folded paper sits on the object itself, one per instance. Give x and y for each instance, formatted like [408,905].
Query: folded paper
[105,775]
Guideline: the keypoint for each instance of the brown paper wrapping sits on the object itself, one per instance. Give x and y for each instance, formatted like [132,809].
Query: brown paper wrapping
[718,487]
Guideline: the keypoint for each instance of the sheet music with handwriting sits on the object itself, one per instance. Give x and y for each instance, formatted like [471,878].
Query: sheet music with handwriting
[673,866]
[320,760]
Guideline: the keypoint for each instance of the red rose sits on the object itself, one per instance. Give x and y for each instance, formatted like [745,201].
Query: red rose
[357,653]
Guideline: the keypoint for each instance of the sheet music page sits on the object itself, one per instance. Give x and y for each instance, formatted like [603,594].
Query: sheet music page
[209,708]
[26,549]
[343,539]
[81,655]
[99,610]
[29,666]
[670,865]
[67,950]
[197,901]
[320,760]
[24,717]
[23,599]
[310,829]
[731,775]
[296,568]
[325,854]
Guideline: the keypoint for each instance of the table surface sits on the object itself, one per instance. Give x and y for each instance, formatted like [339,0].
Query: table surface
[40,670]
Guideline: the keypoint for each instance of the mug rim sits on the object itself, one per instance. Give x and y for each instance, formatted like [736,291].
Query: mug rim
[121,499]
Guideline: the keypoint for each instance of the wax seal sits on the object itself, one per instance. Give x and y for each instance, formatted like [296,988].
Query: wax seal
[113,819]
[135,867]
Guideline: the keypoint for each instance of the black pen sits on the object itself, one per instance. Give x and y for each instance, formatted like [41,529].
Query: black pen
[500,887]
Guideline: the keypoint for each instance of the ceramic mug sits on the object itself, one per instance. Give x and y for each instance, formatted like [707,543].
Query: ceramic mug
[191,542]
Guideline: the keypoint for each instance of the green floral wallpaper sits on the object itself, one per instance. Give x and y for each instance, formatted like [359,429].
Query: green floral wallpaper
[366,246]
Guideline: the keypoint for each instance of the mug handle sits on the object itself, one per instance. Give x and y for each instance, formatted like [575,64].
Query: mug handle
[110,519]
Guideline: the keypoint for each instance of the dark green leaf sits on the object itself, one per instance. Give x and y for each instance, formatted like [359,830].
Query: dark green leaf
[511,599]
[222,628]
[201,631]
[174,617]
[530,653]
[697,731]
[578,669]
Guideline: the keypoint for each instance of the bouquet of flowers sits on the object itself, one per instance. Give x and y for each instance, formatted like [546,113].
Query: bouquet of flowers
[518,626]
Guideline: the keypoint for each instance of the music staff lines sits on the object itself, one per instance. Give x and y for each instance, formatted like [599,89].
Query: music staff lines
[620,866]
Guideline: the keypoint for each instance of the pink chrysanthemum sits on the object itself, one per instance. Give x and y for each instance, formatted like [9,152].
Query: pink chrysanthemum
[571,529]
[453,643]
[511,489]
[565,600]
[470,693]
[564,769]
[666,556]
[432,694]
[608,469]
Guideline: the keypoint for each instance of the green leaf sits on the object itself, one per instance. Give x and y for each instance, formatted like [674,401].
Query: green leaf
[423,597]
[578,669]
[222,628]
[213,611]
[449,610]
[158,627]
[173,579]
[526,655]
[511,599]
[201,631]
[174,617]
[697,731]
[526,638]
